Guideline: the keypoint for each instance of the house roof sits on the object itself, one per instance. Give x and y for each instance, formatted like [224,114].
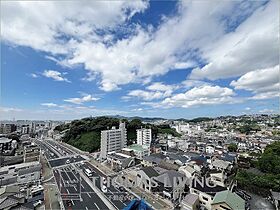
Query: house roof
[220,164]
[231,199]
[168,177]
[150,171]
[190,199]
[203,186]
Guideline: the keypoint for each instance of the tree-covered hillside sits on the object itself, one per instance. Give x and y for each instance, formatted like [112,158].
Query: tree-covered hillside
[85,134]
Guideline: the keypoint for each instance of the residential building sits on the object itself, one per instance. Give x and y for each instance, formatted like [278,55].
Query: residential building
[5,144]
[172,184]
[145,178]
[20,173]
[205,191]
[120,161]
[139,151]
[7,128]
[31,153]
[190,202]
[113,140]
[227,200]
[144,136]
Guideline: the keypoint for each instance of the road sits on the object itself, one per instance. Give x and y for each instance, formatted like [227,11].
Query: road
[120,199]
[75,188]
[82,196]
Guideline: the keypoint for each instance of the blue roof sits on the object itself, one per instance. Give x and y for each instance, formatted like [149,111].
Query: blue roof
[137,205]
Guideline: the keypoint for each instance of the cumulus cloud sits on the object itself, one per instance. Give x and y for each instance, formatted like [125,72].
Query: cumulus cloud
[245,49]
[81,100]
[154,91]
[57,76]
[145,52]
[264,83]
[197,96]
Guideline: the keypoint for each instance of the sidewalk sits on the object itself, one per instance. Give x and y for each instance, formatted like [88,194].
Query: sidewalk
[106,170]
[51,194]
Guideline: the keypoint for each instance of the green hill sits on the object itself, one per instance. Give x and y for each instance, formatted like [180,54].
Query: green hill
[85,133]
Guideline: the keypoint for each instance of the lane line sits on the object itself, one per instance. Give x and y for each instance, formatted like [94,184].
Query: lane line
[96,206]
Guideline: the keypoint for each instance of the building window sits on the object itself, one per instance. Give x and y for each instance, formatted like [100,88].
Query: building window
[223,207]
[204,198]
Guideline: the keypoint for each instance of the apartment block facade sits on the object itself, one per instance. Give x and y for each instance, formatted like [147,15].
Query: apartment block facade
[144,136]
[113,140]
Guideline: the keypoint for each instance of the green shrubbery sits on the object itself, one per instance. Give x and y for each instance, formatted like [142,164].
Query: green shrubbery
[269,163]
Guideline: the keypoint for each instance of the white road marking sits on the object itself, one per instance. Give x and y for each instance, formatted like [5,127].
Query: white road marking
[96,206]
[86,208]
[73,202]
[83,186]
[89,195]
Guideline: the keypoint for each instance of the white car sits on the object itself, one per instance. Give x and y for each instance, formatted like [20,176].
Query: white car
[37,203]
[104,189]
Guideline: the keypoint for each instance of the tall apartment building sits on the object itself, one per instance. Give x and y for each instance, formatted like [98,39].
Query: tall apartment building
[7,128]
[113,140]
[144,136]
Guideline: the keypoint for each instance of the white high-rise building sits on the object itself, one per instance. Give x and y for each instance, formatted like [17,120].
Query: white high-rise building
[144,136]
[113,140]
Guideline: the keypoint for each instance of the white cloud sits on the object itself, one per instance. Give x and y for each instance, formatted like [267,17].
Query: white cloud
[197,96]
[148,95]
[22,24]
[49,104]
[57,76]
[264,83]
[81,100]
[33,75]
[154,91]
[245,49]
[9,109]
[69,29]
[267,111]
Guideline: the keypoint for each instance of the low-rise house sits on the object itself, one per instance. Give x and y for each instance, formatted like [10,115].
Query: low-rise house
[205,191]
[190,202]
[226,200]
[229,157]
[171,184]
[210,149]
[139,151]
[218,177]
[221,165]
[188,171]
[152,160]
[120,161]
[145,177]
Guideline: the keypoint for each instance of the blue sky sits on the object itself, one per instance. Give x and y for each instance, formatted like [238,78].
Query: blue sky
[173,59]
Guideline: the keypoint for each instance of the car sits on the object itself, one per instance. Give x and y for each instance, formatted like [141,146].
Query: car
[67,161]
[69,203]
[104,189]
[121,188]
[104,180]
[37,203]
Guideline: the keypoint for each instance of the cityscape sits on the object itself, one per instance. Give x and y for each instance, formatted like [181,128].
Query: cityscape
[140,105]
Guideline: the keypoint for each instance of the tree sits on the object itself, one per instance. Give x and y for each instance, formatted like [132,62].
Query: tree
[232,147]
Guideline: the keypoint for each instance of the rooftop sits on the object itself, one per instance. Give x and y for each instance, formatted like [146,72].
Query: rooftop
[231,199]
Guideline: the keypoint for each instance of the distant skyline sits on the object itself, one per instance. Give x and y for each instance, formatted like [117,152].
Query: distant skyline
[172,59]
